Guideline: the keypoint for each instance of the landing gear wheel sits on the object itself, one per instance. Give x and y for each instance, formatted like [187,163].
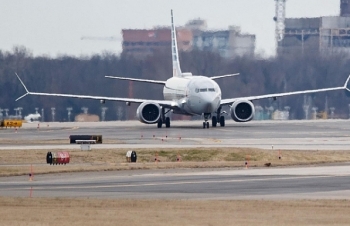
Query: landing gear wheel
[203,125]
[222,121]
[167,122]
[214,121]
[160,123]
[207,125]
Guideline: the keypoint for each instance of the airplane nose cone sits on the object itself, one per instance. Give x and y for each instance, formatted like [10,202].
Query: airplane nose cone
[210,104]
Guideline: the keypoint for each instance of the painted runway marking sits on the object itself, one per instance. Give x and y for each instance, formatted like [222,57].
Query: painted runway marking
[165,184]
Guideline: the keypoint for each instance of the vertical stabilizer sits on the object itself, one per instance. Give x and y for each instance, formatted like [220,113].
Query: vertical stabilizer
[174,51]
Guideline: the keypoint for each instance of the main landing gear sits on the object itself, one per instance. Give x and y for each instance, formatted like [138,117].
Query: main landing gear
[218,119]
[163,120]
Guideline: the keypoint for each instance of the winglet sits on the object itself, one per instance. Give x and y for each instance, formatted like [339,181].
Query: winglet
[346,84]
[24,88]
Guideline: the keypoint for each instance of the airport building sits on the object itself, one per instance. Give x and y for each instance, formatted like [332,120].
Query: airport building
[194,35]
[324,34]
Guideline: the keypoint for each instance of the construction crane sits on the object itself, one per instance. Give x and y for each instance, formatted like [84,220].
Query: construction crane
[280,16]
[93,38]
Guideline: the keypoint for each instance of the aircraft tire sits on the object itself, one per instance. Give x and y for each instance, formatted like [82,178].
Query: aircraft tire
[167,122]
[222,121]
[159,123]
[214,121]
[203,125]
[207,125]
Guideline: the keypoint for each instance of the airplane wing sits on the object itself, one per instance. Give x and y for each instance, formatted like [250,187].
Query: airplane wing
[138,80]
[222,76]
[165,103]
[275,95]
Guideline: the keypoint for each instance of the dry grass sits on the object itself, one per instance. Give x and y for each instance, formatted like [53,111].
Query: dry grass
[62,212]
[114,159]
[86,211]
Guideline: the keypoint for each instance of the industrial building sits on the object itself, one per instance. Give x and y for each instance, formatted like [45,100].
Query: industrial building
[321,34]
[194,35]
[228,43]
[142,42]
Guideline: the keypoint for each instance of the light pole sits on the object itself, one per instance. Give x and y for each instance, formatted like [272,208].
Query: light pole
[6,111]
[259,110]
[269,111]
[120,113]
[20,111]
[53,113]
[42,115]
[287,109]
[103,113]
[85,110]
[332,112]
[16,111]
[306,110]
[69,109]
[314,112]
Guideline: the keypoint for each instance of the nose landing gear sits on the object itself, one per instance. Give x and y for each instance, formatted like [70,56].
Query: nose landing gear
[206,123]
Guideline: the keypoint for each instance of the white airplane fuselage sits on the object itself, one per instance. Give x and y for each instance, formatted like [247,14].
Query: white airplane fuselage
[32,117]
[195,95]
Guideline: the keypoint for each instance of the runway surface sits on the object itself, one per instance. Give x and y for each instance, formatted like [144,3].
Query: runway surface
[305,135]
[273,183]
[322,182]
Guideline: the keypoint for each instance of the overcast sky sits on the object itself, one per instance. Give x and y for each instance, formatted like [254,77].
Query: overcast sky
[48,27]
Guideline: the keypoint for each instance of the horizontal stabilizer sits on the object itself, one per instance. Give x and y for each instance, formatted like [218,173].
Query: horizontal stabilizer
[223,76]
[138,80]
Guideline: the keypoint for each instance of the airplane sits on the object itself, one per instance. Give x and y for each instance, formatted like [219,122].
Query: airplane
[32,117]
[188,94]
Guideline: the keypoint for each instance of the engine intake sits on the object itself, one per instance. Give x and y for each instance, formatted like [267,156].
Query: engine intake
[148,112]
[242,111]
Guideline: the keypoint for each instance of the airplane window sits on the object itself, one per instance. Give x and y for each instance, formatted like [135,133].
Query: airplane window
[211,90]
[203,90]
[197,90]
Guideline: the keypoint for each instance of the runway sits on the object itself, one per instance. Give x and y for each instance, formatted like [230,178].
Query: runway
[297,135]
[321,182]
[326,182]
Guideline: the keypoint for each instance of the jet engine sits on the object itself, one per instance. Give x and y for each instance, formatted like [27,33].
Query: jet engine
[242,111]
[148,112]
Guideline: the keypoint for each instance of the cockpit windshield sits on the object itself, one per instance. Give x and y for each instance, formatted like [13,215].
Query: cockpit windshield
[205,90]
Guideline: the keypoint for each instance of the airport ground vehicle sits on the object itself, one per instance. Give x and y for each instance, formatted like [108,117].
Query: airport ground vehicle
[11,123]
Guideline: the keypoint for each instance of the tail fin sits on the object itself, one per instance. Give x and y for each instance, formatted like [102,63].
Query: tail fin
[174,51]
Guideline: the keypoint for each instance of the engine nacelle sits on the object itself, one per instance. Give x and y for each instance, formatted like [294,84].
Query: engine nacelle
[242,111]
[148,112]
